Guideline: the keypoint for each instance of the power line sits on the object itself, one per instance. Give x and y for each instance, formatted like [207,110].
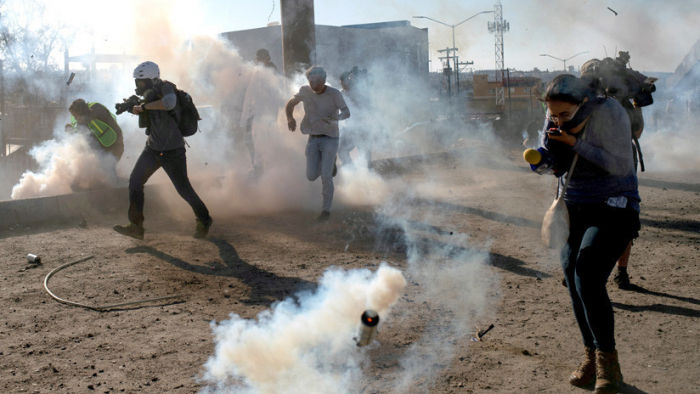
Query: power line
[271,12]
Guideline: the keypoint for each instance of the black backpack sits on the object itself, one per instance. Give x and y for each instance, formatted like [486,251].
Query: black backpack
[188,117]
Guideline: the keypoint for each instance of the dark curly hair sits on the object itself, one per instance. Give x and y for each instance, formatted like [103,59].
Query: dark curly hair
[79,106]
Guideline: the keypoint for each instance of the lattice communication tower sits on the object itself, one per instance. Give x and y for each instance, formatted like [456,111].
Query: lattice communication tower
[498,27]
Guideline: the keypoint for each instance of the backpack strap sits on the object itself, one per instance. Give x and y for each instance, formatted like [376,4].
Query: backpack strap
[159,91]
[639,152]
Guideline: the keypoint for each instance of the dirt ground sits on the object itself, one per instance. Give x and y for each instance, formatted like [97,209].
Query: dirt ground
[250,261]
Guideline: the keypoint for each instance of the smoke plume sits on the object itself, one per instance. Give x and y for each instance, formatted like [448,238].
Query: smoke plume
[304,345]
[68,163]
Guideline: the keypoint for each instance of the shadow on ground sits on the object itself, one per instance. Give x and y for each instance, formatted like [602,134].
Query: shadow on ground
[686,187]
[662,308]
[265,286]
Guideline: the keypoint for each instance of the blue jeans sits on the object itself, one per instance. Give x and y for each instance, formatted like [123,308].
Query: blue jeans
[174,162]
[598,236]
[320,158]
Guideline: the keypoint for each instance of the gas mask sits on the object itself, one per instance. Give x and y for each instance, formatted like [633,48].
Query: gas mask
[142,85]
[581,115]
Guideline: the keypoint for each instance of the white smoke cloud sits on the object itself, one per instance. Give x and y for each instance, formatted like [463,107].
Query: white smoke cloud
[303,346]
[66,163]
[672,149]
[669,136]
[359,185]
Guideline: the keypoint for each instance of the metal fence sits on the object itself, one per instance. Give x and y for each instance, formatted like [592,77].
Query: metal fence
[11,169]
[29,125]
[22,128]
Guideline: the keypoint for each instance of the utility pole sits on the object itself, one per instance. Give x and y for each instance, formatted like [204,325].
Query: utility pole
[298,35]
[510,100]
[455,61]
[467,63]
[448,70]
[459,70]
[454,46]
[3,148]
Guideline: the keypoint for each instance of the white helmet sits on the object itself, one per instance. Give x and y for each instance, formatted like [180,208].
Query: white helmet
[147,70]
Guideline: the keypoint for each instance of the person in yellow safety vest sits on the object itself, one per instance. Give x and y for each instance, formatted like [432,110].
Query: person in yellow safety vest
[102,124]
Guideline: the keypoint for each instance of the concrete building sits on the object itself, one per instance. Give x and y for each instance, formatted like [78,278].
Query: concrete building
[395,50]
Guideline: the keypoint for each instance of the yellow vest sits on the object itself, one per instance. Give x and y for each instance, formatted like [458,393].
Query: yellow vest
[104,133]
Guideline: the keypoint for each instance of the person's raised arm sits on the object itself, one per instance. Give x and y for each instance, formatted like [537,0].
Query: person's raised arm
[167,103]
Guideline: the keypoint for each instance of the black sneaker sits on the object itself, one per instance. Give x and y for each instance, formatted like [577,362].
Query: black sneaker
[324,217]
[622,280]
[131,230]
[202,230]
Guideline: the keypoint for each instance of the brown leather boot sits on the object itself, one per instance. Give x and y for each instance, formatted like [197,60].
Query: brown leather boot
[585,374]
[608,374]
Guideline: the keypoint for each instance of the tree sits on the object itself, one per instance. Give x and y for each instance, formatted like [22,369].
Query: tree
[30,43]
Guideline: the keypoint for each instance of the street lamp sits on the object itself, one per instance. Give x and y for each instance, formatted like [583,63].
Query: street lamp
[453,40]
[564,60]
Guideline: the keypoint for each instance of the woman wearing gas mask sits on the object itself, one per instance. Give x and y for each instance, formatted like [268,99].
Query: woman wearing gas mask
[603,205]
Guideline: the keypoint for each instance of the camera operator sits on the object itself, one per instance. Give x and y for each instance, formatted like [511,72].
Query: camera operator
[602,199]
[165,148]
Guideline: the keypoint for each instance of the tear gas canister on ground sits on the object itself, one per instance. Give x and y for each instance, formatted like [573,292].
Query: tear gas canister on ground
[368,328]
[33,259]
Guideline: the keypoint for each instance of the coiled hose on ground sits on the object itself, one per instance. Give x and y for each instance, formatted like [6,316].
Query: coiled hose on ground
[96,308]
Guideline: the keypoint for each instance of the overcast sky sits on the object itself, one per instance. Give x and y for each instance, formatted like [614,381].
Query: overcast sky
[657,33]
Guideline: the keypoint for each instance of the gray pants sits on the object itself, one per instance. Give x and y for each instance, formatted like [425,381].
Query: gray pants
[320,158]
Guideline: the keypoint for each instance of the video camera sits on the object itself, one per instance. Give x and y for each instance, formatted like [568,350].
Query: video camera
[640,86]
[128,104]
[619,81]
